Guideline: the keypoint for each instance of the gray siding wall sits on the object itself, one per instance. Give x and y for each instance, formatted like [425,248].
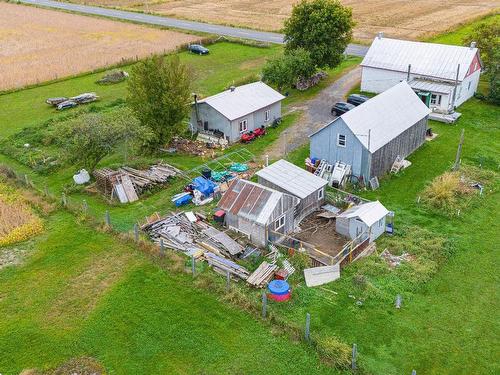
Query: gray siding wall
[324,146]
[403,145]
[216,121]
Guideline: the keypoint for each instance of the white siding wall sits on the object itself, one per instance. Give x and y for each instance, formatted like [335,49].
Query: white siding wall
[379,80]
[465,92]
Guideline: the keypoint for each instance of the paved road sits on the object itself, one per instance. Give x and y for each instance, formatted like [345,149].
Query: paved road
[236,32]
[315,115]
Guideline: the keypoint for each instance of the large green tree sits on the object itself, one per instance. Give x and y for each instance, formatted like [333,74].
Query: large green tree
[321,27]
[285,70]
[159,96]
[487,37]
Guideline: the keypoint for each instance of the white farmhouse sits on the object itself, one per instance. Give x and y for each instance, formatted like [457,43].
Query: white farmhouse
[443,76]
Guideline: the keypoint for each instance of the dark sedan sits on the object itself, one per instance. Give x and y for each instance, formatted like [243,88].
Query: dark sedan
[341,107]
[357,99]
[198,49]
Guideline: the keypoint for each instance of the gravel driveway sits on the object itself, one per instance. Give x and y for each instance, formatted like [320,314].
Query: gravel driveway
[315,114]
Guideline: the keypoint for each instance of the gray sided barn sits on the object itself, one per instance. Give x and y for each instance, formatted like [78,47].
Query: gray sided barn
[371,136]
[366,220]
[288,178]
[260,213]
[237,110]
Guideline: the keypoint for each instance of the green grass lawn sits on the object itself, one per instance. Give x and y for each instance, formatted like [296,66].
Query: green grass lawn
[456,36]
[81,292]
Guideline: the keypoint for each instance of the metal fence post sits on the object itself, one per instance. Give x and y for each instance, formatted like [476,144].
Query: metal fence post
[64,200]
[264,305]
[46,190]
[85,207]
[354,355]
[136,232]
[162,248]
[107,217]
[26,180]
[308,326]
[414,372]
[228,281]
[193,265]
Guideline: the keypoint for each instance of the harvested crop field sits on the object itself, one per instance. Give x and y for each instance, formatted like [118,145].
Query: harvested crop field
[40,45]
[397,18]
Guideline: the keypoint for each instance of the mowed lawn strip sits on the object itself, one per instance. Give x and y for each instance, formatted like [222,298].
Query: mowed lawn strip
[141,320]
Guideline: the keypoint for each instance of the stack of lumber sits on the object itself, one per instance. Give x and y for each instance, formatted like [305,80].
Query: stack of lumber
[262,275]
[223,265]
[128,183]
[178,232]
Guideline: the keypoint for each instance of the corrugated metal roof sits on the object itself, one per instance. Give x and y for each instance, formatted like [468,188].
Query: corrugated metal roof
[293,179]
[243,100]
[386,116]
[431,86]
[369,213]
[430,59]
[251,201]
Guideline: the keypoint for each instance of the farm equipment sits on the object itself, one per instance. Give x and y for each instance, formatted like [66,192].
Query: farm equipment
[248,137]
[259,132]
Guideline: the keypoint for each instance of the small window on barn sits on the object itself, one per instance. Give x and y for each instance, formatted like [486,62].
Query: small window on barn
[435,99]
[278,224]
[341,140]
[321,194]
[243,126]
[267,115]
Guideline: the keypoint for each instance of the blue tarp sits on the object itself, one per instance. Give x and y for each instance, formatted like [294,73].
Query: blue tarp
[185,199]
[206,187]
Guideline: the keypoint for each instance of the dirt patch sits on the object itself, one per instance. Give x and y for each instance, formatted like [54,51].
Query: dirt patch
[40,44]
[75,366]
[397,18]
[321,233]
[12,257]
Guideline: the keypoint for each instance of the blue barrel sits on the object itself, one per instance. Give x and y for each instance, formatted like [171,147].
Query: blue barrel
[279,287]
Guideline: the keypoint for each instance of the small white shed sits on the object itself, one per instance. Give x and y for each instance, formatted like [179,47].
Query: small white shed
[368,218]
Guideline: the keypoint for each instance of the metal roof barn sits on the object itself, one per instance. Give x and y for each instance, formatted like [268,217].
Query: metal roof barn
[429,59]
[292,179]
[243,100]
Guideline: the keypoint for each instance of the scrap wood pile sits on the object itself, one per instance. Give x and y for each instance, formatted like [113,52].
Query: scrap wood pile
[79,99]
[262,275]
[223,265]
[128,183]
[188,234]
[114,76]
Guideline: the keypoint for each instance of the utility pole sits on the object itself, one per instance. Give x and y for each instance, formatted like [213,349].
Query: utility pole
[455,89]
[459,152]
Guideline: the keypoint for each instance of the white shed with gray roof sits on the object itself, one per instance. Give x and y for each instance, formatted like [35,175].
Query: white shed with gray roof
[289,178]
[367,218]
[237,110]
[440,65]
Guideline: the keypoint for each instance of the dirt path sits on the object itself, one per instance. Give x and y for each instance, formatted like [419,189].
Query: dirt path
[316,113]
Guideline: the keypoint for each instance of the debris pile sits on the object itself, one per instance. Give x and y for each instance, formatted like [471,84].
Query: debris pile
[262,275]
[305,83]
[197,147]
[128,183]
[394,260]
[223,266]
[115,76]
[63,102]
[192,238]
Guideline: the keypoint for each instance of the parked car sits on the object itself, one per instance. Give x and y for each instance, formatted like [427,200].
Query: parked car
[198,49]
[357,99]
[341,107]
[65,105]
[248,137]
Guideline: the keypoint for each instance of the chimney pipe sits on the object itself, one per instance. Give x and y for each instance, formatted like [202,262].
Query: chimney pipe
[473,45]
[380,35]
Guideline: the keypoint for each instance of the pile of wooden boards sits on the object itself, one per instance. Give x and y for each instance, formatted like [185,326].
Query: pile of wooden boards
[180,233]
[223,266]
[262,275]
[128,183]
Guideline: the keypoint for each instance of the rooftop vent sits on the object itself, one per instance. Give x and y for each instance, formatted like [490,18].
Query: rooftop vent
[380,35]
[473,45]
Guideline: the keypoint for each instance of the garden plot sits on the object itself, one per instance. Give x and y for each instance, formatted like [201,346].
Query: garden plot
[40,45]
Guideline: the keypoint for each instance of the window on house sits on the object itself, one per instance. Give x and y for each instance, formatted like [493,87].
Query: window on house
[436,99]
[381,222]
[279,223]
[341,141]
[321,194]
[243,126]
[267,115]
